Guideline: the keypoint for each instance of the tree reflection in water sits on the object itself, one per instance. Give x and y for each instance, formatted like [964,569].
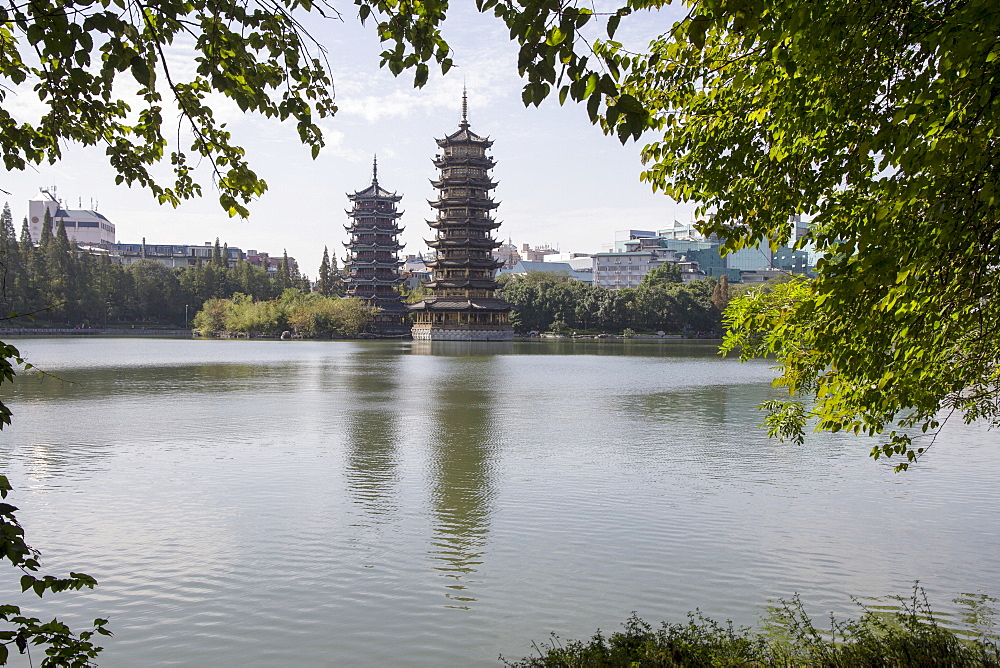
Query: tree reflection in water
[372,457]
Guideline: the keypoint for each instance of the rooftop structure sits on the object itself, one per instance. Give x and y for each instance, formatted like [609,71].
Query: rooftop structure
[372,261]
[84,226]
[463,306]
[559,268]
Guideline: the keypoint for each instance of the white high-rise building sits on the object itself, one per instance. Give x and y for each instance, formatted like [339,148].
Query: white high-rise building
[84,226]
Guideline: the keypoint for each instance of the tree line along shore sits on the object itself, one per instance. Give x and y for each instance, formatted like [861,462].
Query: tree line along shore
[51,288]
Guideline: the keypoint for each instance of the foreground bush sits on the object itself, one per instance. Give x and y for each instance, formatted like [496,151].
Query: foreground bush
[909,636]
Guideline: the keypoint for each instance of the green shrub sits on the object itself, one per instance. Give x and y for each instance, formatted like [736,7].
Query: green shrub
[907,635]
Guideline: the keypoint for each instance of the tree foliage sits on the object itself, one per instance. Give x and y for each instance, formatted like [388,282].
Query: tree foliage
[880,123]
[79,60]
[544,301]
[62,286]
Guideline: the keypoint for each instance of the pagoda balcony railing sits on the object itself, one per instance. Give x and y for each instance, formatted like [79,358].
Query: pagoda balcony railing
[368,221]
[451,170]
[466,192]
[376,264]
[460,210]
[457,274]
[477,283]
[380,244]
[458,182]
[385,271]
[478,263]
[369,292]
[382,216]
[479,223]
[369,228]
[463,242]
[372,280]
[464,150]
[373,255]
[453,159]
[373,206]
[457,202]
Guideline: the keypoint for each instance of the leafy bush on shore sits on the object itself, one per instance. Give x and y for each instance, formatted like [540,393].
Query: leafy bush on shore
[308,315]
[908,636]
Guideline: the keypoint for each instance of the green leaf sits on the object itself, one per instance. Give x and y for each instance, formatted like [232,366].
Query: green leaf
[141,71]
[613,22]
[556,36]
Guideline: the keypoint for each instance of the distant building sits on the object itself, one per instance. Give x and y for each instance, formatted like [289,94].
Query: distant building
[269,264]
[536,254]
[683,231]
[170,255]
[565,257]
[626,270]
[84,226]
[558,268]
[415,271]
[760,275]
[507,253]
[792,261]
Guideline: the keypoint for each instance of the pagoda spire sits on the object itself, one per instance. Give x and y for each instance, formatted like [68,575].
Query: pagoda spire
[465,108]
[375,171]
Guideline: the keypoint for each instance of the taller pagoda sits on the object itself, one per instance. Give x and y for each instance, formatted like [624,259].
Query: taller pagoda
[372,260]
[463,306]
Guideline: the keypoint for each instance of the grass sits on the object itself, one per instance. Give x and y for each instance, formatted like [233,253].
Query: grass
[907,634]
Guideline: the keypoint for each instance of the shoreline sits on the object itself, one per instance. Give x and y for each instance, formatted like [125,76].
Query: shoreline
[45,331]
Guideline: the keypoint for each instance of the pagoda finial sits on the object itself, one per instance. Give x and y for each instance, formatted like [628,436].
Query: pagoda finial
[465,108]
[375,171]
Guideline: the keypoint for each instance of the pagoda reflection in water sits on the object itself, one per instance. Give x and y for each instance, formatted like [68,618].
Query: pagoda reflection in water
[373,262]
[463,306]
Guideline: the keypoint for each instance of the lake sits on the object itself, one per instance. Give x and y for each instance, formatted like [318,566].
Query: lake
[400,503]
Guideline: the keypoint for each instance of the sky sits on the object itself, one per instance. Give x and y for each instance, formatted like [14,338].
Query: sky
[562,183]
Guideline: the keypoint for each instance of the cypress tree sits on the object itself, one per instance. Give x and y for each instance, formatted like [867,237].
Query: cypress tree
[26,290]
[59,275]
[336,279]
[284,275]
[39,273]
[11,266]
[217,254]
[325,283]
[46,236]
[720,296]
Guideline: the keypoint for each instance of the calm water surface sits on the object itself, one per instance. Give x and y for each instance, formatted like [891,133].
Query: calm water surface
[343,503]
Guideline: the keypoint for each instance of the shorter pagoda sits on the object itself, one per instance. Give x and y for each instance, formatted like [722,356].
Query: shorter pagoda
[372,262]
[463,306]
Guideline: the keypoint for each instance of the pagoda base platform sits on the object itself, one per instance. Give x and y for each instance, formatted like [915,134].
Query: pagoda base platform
[422,332]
